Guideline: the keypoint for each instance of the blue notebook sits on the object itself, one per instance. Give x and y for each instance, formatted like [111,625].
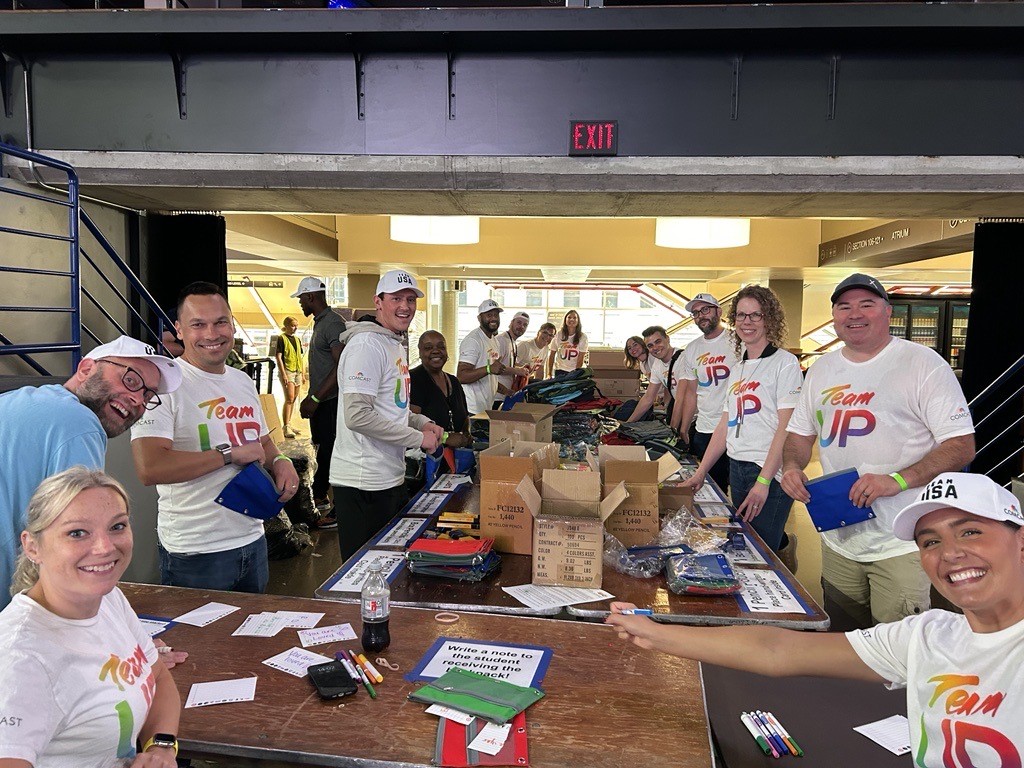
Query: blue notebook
[830,506]
[252,493]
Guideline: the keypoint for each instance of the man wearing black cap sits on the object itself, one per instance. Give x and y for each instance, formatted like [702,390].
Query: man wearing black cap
[893,410]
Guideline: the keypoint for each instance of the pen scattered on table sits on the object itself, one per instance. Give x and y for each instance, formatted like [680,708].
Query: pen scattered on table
[637,612]
[769,734]
[362,675]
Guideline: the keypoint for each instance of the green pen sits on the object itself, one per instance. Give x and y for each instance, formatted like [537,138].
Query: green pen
[748,723]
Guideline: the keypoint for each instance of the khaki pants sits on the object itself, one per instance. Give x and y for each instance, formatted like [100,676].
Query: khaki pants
[872,593]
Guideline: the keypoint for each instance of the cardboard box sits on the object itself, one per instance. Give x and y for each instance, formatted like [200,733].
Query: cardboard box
[635,522]
[568,526]
[503,514]
[272,417]
[671,498]
[526,421]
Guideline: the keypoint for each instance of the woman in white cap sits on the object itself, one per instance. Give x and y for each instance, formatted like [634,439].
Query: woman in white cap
[962,672]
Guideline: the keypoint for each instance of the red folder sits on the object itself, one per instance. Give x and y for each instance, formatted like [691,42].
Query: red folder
[453,741]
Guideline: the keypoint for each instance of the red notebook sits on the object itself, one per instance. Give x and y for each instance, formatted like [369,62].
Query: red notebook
[453,741]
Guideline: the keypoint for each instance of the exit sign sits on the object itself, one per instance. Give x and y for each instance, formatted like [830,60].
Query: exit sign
[593,137]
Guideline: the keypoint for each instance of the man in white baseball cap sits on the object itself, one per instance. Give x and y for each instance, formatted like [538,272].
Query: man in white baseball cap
[375,426]
[53,427]
[480,362]
[507,344]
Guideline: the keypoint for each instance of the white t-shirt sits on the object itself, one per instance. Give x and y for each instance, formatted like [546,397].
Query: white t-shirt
[709,363]
[879,416]
[530,355]
[567,353]
[375,364]
[659,374]
[509,354]
[478,349]
[73,693]
[758,390]
[963,688]
[207,410]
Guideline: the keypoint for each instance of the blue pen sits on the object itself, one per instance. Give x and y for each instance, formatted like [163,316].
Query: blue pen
[772,735]
[637,612]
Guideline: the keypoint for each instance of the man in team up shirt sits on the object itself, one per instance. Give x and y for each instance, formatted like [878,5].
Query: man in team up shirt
[665,371]
[531,353]
[893,410]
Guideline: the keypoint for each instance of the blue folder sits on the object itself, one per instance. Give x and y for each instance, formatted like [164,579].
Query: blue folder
[830,506]
[252,493]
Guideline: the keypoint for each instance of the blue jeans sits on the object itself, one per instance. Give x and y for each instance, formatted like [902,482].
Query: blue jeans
[699,442]
[771,523]
[244,569]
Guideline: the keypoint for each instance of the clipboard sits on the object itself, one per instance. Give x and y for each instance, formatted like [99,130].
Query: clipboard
[251,493]
[830,506]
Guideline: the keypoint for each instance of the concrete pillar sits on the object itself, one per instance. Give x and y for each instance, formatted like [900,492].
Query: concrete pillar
[361,290]
[791,294]
[448,316]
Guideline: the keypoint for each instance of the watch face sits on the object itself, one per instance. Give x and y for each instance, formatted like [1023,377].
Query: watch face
[165,739]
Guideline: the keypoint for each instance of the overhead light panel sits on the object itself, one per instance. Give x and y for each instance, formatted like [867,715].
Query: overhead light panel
[695,232]
[565,274]
[436,230]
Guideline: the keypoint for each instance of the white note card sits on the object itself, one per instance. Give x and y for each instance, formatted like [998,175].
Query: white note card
[449,483]
[266,624]
[221,692]
[295,661]
[540,597]
[491,738]
[322,635]
[893,733]
[300,619]
[206,614]
[153,627]
[449,714]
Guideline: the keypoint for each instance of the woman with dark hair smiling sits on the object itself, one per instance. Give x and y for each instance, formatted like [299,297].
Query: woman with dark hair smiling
[438,395]
[762,392]
[569,347]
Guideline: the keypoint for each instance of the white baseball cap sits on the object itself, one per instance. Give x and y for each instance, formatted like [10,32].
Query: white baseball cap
[523,315]
[487,305]
[126,346]
[972,493]
[309,285]
[701,298]
[397,280]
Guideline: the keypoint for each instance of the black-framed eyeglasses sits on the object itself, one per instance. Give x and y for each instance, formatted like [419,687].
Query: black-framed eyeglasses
[755,316]
[703,312]
[134,382]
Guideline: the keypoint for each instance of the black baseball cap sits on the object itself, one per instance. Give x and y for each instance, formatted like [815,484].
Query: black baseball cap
[859,280]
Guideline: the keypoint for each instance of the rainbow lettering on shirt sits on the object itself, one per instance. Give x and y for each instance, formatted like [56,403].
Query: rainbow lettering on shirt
[239,421]
[847,421]
[128,672]
[568,351]
[747,403]
[955,699]
[403,383]
[715,370]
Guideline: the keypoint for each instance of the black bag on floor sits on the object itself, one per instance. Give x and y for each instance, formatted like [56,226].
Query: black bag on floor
[285,540]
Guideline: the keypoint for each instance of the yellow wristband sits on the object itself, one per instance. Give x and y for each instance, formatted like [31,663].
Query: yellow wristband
[282,457]
[315,399]
[444,437]
[899,480]
[149,744]
[763,481]
[488,367]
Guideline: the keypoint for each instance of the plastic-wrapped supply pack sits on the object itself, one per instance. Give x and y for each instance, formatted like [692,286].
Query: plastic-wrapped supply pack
[300,507]
[285,540]
[680,535]
[691,574]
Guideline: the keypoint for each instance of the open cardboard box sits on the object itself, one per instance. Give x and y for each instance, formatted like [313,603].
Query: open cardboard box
[526,421]
[568,528]
[636,522]
[503,516]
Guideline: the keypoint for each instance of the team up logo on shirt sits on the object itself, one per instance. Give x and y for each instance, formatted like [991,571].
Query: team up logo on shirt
[848,418]
[403,383]
[714,369]
[956,696]
[240,422]
[124,673]
[568,351]
[747,403]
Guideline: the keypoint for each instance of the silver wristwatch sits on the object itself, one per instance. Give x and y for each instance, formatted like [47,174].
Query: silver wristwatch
[225,450]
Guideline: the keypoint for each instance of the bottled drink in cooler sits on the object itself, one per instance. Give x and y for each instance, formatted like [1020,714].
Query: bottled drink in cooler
[375,602]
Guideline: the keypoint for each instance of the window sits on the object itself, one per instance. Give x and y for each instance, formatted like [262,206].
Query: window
[337,291]
[610,299]
[571,299]
[535,298]
[463,297]
[499,296]
[646,303]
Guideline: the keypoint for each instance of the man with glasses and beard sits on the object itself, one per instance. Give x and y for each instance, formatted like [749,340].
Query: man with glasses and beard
[704,376]
[51,428]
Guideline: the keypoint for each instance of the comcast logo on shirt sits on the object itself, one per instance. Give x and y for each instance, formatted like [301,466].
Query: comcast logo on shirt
[358,376]
[961,413]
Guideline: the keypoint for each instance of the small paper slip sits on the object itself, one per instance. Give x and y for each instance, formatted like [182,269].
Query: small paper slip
[893,733]
[449,483]
[300,620]
[748,556]
[323,635]
[427,504]
[449,714]
[221,692]
[296,661]
[491,738]
[207,614]
[154,626]
[538,597]
[265,624]
[706,494]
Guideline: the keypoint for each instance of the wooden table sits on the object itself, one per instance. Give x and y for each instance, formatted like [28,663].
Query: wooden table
[487,596]
[608,704]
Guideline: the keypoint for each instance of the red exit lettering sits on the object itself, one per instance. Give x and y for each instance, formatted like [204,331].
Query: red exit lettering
[593,137]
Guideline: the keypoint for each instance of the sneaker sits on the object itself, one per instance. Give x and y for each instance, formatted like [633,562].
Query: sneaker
[323,506]
[326,522]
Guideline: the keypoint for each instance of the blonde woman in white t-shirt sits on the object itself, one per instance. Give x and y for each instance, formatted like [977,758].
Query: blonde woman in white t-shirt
[80,679]
[762,392]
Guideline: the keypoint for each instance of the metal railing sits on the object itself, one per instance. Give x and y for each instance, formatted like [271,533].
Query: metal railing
[76,216]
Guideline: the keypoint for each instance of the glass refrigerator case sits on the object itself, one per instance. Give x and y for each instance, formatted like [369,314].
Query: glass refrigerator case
[940,324]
